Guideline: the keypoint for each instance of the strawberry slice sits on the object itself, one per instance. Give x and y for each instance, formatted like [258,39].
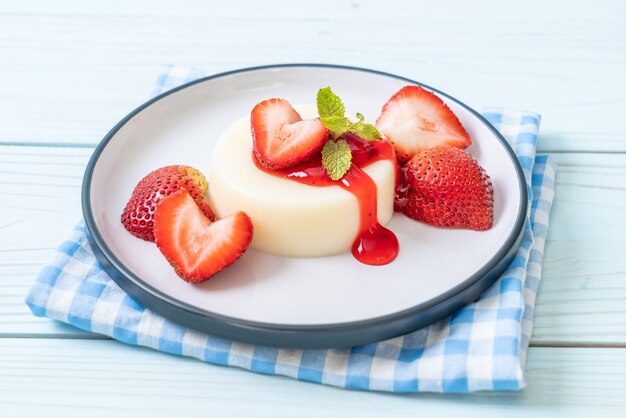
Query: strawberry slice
[414,119]
[281,138]
[196,247]
[445,186]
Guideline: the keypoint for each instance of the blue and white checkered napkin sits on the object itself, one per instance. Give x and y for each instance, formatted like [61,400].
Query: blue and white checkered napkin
[481,347]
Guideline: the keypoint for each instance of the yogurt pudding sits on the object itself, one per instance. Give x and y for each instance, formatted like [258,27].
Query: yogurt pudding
[300,211]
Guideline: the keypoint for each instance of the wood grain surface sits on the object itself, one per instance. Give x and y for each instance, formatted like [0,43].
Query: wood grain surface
[70,70]
[84,377]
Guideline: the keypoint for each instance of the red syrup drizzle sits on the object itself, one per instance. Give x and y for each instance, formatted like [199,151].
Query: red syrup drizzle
[374,245]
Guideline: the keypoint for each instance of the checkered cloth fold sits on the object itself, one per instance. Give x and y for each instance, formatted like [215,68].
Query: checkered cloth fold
[481,347]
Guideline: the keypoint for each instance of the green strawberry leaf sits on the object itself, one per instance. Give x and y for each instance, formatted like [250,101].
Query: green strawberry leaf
[329,104]
[337,158]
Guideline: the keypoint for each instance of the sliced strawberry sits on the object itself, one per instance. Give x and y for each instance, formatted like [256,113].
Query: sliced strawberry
[445,186]
[196,247]
[281,138]
[138,215]
[414,119]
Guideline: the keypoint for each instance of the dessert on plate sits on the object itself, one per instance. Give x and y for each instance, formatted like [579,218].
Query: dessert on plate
[307,181]
[298,210]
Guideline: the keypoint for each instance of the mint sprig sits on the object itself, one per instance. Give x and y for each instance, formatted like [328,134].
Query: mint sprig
[333,115]
[336,154]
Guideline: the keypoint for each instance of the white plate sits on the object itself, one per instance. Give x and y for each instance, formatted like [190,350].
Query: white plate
[272,300]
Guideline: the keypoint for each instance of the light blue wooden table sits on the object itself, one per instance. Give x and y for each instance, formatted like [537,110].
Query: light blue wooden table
[69,70]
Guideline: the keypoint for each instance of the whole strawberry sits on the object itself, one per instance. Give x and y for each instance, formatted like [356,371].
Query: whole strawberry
[446,187]
[138,215]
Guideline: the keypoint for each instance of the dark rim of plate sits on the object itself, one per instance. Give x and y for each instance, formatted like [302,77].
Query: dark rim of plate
[318,335]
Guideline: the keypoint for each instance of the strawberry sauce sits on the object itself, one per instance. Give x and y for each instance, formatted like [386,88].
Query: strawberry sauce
[374,244]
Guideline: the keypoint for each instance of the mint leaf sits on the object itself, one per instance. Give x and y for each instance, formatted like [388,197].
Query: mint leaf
[332,115]
[338,125]
[337,158]
[366,131]
[329,104]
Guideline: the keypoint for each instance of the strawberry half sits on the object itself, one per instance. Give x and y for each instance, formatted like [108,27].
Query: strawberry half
[445,186]
[281,138]
[414,119]
[196,247]
[138,215]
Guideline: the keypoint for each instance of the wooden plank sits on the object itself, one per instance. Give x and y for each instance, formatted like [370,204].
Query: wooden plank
[104,378]
[562,60]
[39,204]
[580,299]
